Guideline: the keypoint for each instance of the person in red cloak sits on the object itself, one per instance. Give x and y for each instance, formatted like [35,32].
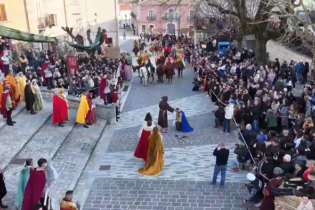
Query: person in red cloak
[103,84]
[4,96]
[42,69]
[91,115]
[34,189]
[144,133]
[60,110]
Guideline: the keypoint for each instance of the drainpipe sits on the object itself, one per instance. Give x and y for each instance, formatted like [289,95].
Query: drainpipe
[116,23]
[26,17]
[65,12]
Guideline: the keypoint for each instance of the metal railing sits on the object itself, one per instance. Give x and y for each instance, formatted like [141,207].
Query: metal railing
[170,17]
[151,18]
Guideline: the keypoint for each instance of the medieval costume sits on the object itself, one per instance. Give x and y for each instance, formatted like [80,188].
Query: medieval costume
[128,73]
[29,98]
[180,64]
[3,190]
[42,69]
[7,107]
[82,111]
[38,103]
[182,122]
[154,162]
[268,200]
[143,144]
[61,94]
[135,50]
[91,116]
[34,189]
[22,181]
[14,89]
[60,110]
[169,68]
[22,81]
[1,91]
[164,107]
[66,202]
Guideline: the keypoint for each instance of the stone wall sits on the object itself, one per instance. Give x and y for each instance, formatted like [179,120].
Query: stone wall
[107,112]
[281,52]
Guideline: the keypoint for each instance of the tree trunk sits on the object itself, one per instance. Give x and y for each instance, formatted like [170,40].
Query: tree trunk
[261,50]
[239,42]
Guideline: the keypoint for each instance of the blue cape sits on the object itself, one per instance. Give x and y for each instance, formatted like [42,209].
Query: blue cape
[185,127]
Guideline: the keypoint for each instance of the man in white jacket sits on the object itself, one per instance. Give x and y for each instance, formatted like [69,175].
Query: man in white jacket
[229,112]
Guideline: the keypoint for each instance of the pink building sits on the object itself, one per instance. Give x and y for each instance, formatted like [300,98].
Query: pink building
[154,16]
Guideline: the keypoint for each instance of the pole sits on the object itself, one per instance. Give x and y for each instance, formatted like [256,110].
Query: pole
[116,19]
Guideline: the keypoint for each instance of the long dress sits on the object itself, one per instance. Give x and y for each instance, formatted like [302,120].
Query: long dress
[91,116]
[38,103]
[268,200]
[164,107]
[155,161]
[143,144]
[22,181]
[21,81]
[29,98]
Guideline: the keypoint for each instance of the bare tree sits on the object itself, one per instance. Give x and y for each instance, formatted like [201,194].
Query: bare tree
[251,17]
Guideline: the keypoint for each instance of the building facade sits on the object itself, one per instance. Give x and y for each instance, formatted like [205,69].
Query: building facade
[124,15]
[48,16]
[152,16]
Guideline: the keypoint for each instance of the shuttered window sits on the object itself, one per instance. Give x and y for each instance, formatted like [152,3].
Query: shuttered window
[53,19]
[3,14]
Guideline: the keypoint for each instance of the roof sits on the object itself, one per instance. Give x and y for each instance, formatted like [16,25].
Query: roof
[167,2]
[124,7]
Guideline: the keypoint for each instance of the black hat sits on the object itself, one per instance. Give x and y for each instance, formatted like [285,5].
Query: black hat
[69,192]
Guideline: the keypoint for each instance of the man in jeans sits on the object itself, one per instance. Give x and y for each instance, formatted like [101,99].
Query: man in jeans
[229,112]
[222,156]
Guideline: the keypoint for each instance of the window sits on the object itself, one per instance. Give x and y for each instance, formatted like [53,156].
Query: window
[176,16]
[3,14]
[125,16]
[191,13]
[170,10]
[151,13]
[143,28]
[53,19]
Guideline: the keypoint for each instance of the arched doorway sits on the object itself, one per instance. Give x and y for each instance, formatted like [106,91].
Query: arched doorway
[171,28]
[151,28]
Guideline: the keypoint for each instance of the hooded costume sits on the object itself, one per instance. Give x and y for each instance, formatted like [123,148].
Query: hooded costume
[164,107]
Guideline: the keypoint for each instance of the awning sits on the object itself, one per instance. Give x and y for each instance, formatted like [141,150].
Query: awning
[24,36]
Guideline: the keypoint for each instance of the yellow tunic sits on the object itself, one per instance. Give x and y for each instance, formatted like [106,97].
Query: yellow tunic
[21,81]
[1,91]
[83,110]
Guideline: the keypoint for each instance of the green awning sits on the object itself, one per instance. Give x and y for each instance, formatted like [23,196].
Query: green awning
[94,46]
[24,36]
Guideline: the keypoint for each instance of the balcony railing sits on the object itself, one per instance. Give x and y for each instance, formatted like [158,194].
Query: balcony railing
[170,17]
[151,18]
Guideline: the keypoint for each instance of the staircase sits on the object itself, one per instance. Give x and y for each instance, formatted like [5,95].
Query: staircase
[34,136]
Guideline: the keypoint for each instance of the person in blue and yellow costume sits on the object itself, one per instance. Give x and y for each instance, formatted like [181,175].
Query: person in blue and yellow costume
[181,122]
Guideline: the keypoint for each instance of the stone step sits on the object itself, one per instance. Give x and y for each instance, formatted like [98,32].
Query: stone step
[73,156]
[44,144]
[14,138]
[15,112]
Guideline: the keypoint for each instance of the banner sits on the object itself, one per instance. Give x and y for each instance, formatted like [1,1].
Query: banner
[72,63]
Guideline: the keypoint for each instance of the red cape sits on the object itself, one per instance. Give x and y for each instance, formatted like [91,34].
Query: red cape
[143,145]
[42,69]
[34,189]
[91,115]
[60,110]
[3,104]
[102,87]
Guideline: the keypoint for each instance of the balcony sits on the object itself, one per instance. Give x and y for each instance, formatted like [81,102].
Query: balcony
[190,18]
[133,15]
[170,18]
[151,18]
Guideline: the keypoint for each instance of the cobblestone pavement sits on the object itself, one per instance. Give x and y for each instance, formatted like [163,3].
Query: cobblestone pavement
[204,133]
[116,193]
[13,140]
[111,181]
